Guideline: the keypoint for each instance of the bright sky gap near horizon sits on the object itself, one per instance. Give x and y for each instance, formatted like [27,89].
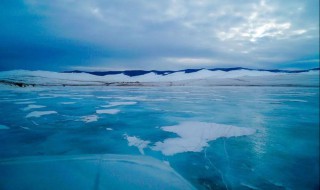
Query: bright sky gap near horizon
[164,35]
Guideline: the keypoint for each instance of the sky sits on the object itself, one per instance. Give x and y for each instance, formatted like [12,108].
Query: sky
[101,35]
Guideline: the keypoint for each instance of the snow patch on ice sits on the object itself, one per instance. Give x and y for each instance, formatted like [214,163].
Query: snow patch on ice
[294,100]
[113,104]
[89,118]
[67,103]
[32,106]
[137,98]
[194,136]
[108,111]
[137,142]
[40,113]
[76,98]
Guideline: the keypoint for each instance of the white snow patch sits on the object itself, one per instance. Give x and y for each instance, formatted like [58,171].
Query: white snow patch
[90,118]
[137,142]
[67,103]
[113,104]
[3,127]
[32,106]
[76,98]
[40,113]
[108,111]
[137,98]
[294,100]
[194,136]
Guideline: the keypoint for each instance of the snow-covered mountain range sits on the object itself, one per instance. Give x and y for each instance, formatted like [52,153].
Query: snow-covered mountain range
[192,77]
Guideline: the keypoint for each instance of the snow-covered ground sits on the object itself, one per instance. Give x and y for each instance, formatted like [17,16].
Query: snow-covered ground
[202,77]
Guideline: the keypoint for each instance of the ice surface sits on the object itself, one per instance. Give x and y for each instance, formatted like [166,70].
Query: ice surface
[3,127]
[113,104]
[194,136]
[89,118]
[286,120]
[32,106]
[137,142]
[85,172]
[108,111]
[28,102]
[40,113]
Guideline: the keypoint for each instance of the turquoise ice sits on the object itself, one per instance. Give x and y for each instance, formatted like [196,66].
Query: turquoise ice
[214,137]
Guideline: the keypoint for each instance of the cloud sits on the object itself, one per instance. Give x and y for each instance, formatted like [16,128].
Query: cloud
[168,34]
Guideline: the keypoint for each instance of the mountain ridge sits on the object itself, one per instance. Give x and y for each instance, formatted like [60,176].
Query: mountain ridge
[132,73]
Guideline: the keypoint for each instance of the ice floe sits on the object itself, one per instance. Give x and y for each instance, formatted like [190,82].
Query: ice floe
[33,106]
[90,118]
[113,104]
[108,111]
[3,127]
[194,136]
[137,142]
[40,113]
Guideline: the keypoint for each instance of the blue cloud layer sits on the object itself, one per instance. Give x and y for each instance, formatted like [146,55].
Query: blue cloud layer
[168,34]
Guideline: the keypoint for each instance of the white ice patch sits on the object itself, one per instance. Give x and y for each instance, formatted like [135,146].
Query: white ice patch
[32,106]
[67,103]
[108,111]
[113,104]
[294,100]
[194,136]
[3,127]
[135,141]
[137,98]
[76,98]
[90,118]
[40,113]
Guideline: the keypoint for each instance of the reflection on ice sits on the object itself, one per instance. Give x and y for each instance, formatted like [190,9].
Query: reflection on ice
[194,136]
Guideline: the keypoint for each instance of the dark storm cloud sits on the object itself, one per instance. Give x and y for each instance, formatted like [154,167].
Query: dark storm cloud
[169,34]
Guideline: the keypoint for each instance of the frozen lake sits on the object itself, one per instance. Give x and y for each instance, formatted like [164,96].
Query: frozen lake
[215,137]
